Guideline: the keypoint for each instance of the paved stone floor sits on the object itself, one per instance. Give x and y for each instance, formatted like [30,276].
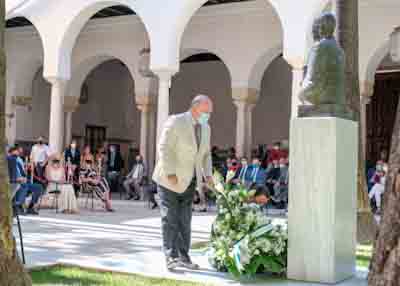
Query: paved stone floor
[128,240]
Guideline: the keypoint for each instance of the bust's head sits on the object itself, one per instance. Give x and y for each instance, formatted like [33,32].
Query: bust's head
[327,25]
[316,27]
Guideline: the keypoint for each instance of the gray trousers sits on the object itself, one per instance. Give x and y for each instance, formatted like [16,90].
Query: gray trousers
[131,187]
[176,218]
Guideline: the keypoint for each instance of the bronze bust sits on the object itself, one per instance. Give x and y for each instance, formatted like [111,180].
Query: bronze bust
[323,89]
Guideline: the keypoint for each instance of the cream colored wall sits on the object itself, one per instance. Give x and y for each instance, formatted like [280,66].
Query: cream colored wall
[34,121]
[272,113]
[212,79]
[111,103]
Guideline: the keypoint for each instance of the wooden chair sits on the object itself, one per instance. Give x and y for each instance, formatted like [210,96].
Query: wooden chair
[55,193]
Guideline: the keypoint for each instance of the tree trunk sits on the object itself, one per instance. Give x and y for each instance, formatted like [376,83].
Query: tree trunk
[12,272]
[347,35]
[385,266]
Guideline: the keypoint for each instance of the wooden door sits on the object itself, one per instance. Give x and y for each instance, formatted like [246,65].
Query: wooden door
[95,136]
[381,114]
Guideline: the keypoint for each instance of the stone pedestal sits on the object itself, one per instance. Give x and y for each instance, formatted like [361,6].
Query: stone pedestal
[322,199]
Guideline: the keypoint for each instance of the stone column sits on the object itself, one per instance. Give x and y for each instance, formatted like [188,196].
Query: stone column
[71,103]
[145,104]
[298,75]
[367,91]
[56,114]
[244,99]
[164,83]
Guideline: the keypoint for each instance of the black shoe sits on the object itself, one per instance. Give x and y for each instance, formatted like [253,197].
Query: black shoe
[31,211]
[19,210]
[128,198]
[110,210]
[188,264]
[172,263]
[154,206]
[136,198]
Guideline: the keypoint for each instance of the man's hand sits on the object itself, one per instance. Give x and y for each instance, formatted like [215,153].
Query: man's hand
[210,181]
[173,179]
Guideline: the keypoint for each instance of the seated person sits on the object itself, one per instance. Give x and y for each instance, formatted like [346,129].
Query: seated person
[90,175]
[261,196]
[25,186]
[379,188]
[281,187]
[149,190]
[134,179]
[15,181]
[114,166]
[273,175]
[258,174]
[233,169]
[244,173]
[55,175]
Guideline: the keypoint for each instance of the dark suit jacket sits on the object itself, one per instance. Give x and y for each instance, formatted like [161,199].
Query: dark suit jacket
[75,160]
[118,163]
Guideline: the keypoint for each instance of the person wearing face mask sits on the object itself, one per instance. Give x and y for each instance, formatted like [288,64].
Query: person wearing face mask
[183,160]
[258,173]
[134,180]
[73,156]
[56,177]
[39,156]
[244,173]
[114,166]
[273,176]
[281,187]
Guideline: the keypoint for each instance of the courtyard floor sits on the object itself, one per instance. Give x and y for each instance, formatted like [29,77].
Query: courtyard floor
[127,241]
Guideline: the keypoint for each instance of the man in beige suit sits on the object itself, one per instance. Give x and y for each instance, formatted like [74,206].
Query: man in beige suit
[183,154]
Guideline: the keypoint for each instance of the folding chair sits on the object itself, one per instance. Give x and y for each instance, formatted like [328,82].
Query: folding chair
[88,190]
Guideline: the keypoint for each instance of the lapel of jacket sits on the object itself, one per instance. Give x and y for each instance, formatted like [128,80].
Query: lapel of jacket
[191,130]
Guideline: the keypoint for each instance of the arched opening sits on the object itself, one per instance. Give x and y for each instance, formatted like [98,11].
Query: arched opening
[271,116]
[27,91]
[206,73]
[107,110]
[381,111]
[32,120]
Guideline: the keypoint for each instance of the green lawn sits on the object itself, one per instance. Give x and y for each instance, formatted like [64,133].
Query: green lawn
[72,276]
[364,255]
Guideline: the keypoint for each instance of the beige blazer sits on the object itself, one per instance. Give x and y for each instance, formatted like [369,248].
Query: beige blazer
[177,153]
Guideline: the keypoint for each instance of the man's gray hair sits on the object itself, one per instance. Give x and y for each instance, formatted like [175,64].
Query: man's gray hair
[200,98]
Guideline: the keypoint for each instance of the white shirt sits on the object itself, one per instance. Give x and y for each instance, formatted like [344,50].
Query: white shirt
[138,170]
[39,153]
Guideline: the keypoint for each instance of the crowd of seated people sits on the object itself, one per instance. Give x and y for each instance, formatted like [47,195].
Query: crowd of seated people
[268,170]
[376,178]
[44,174]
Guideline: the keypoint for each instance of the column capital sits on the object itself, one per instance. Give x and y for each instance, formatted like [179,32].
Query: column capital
[296,63]
[22,100]
[56,80]
[245,95]
[71,103]
[145,103]
[367,88]
[164,74]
